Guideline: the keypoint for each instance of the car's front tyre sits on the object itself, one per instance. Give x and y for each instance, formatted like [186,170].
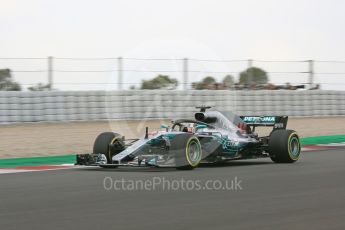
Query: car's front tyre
[103,142]
[188,152]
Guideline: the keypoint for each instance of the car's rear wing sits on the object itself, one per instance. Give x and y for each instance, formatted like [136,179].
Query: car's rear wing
[277,122]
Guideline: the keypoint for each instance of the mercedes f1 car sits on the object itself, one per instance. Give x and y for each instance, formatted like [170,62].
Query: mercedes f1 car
[208,137]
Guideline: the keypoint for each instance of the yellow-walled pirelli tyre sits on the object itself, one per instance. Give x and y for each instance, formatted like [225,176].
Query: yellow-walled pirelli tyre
[103,142]
[284,146]
[191,152]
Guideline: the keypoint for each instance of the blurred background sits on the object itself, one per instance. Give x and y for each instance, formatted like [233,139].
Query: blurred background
[98,45]
[54,73]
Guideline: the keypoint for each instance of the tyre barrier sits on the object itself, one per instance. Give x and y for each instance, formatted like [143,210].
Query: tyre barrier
[153,104]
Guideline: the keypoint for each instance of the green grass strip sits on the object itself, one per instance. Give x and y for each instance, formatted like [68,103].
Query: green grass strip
[323,140]
[33,161]
[70,158]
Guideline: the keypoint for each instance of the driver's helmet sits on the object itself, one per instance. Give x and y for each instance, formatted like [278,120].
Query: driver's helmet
[190,128]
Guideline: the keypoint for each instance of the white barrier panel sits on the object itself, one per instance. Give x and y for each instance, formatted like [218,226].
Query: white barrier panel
[151,104]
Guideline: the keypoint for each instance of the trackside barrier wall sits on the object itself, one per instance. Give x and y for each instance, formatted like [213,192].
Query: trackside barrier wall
[150,104]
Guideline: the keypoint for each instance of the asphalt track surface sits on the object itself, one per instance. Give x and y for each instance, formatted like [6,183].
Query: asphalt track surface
[308,194]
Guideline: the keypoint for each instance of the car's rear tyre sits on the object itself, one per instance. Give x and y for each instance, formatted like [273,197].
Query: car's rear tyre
[190,153]
[284,146]
[103,142]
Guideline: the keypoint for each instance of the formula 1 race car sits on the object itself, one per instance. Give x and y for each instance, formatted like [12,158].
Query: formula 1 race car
[209,137]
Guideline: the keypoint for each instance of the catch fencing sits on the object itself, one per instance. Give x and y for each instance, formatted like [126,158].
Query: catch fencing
[60,106]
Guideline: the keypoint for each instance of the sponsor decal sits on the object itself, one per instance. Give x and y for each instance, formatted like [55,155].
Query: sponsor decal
[278,125]
[228,145]
[259,119]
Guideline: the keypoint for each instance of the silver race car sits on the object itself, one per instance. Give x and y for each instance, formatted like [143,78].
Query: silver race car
[208,137]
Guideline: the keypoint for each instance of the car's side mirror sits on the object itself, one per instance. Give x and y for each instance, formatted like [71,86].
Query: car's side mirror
[163,126]
[166,127]
[201,126]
